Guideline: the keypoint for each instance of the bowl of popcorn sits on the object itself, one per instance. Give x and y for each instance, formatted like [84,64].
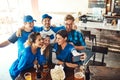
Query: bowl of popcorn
[57,73]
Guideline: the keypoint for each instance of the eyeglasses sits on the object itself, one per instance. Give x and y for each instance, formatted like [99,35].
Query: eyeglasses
[68,24]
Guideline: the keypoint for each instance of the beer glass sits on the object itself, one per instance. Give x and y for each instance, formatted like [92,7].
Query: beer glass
[79,74]
[27,76]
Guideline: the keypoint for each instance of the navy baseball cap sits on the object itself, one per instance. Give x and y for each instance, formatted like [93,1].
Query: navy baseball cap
[28,18]
[46,16]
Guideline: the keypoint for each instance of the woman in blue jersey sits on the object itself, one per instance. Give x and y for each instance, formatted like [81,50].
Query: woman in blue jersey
[29,55]
[63,52]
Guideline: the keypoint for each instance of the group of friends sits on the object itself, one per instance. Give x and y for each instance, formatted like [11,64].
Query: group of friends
[46,44]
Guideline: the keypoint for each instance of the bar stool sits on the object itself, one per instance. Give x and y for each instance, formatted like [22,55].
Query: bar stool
[99,49]
[86,34]
[92,37]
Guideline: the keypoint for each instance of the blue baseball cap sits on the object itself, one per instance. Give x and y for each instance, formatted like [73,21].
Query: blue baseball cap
[46,16]
[28,18]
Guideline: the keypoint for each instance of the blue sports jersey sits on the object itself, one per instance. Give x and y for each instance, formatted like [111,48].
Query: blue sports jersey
[76,38]
[26,61]
[51,32]
[21,40]
[65,54]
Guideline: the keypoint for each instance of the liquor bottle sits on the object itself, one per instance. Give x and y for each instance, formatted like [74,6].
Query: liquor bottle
[87,73]
[38,73]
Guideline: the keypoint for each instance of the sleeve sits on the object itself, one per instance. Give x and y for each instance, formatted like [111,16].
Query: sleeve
[81,39]
[37,29]
[54,59]
[13,38]
[57,28]
[23,61]
[74,52]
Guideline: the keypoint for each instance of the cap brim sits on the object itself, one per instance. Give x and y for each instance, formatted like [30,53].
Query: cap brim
[31,21]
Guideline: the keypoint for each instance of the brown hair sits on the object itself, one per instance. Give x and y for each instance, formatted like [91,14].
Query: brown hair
[69,17]
[64,34]
[31,38]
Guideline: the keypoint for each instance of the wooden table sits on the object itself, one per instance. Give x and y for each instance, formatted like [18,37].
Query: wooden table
[69,73]
[104,73]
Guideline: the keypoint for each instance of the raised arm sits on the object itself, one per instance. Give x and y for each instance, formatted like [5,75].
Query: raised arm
[19,31]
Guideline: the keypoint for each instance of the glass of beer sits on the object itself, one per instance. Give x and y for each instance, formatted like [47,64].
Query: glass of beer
[78,74]
[45,67]
[27,76]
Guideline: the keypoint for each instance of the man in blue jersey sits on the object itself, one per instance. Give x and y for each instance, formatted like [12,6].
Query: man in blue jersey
[47,29]
[74,37]
[28,28]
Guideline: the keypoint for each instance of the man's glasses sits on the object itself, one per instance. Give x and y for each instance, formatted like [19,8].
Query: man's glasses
[68,24]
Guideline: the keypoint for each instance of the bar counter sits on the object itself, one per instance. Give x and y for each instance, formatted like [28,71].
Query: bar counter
[98,25]
[107,35]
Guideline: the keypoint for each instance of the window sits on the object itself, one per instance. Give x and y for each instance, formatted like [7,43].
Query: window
[96,3]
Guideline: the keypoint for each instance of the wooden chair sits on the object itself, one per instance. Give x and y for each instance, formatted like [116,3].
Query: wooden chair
[87,33]
[99,49]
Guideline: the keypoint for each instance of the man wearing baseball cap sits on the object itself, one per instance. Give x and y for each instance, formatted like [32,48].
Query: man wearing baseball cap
[29,27]
[48,29]
[28,18]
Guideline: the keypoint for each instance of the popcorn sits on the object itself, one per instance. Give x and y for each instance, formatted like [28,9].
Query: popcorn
[57,73]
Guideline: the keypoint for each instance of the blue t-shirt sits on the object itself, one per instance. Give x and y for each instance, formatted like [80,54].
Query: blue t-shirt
[21,40]
[65,54]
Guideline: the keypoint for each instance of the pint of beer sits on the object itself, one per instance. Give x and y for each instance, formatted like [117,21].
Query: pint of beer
[78,74]
[27,76]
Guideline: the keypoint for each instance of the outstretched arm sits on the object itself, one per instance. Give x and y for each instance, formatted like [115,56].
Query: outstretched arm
[12,39]
[5,43]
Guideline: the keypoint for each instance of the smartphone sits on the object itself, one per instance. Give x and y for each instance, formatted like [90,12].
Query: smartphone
[76,58]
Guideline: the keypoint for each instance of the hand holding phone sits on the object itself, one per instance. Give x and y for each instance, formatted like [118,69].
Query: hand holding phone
[76,58]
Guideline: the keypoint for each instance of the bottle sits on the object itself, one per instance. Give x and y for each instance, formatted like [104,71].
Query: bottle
[87,73]
[38,75]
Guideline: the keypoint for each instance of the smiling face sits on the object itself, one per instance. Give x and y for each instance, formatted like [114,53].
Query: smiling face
[69,21]
[60,40]
[68,25]
[29,26]
[61,37]
[46,23]
[47,40]
[38,41]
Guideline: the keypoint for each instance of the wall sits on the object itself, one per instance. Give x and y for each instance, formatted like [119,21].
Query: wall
[63,5]
[58,8]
